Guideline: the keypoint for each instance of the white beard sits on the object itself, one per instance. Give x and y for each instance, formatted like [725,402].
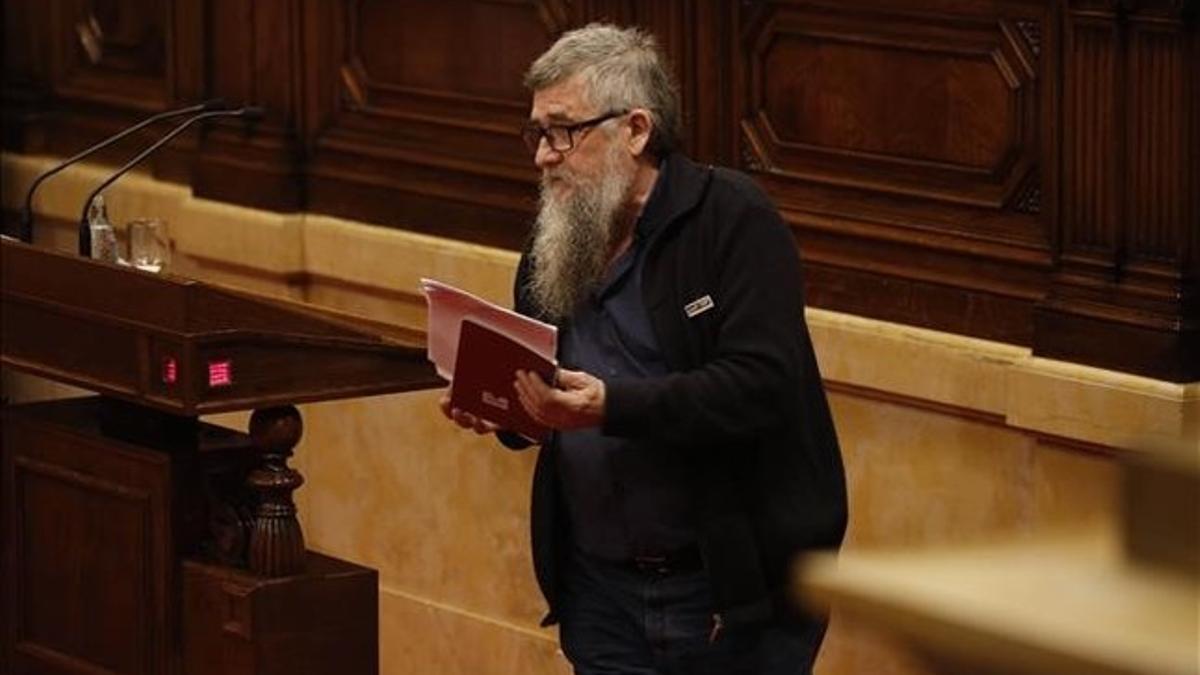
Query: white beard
[573,237]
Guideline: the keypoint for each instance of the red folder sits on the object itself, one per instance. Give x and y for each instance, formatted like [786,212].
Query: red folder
[484,371]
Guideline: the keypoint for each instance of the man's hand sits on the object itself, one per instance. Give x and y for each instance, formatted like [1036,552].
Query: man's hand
[465,419]
[577,402]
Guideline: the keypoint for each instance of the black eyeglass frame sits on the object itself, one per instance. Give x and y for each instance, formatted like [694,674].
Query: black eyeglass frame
[533,133]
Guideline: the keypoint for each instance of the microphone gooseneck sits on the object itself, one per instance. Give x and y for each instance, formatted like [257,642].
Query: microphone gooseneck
[26,222]
[85,239]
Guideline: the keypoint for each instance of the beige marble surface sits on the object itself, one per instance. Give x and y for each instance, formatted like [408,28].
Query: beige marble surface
[1052,397]
[440,513]
[421,636]
[1064,604]
[1101,406]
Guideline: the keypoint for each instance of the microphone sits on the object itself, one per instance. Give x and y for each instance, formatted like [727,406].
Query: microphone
[252,113]
[26,224]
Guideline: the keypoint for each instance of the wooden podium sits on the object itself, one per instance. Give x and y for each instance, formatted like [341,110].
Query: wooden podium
[137,539]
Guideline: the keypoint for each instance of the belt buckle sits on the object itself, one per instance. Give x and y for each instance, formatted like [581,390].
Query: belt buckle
[652,563]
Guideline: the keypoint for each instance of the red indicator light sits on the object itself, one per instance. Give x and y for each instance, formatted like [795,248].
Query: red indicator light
[220,373]
[170,370]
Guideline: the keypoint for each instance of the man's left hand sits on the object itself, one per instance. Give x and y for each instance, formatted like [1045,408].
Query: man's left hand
[576,403]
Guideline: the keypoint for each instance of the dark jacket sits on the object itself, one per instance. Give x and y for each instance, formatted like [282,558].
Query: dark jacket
[743,401]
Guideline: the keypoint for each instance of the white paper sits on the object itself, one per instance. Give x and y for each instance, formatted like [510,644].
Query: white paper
[448,306]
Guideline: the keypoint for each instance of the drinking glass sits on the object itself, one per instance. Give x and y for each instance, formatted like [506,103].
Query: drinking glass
[148,244]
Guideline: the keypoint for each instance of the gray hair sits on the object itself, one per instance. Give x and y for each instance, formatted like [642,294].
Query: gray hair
[622,69]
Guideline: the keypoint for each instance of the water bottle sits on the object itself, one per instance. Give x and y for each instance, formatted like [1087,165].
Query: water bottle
[104,238]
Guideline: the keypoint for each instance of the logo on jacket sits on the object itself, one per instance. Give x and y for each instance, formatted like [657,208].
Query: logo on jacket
[698,306]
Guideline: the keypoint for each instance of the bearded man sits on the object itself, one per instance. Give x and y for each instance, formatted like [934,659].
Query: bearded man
[693,454]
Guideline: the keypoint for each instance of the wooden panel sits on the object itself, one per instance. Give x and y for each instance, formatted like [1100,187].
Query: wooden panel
[256,57]
[111,52]
[909,146]
[95,530]
[922,108]
[321,622]
[25,73]
[1126,293]
[1161,170]
[1090,145]
[107,63]
[1019,170]
[417,125]
[21,26]
[91,67]
[96,353]
[70,499]
[97,517]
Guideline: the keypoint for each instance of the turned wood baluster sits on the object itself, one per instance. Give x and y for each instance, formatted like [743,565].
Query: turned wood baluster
[276,541]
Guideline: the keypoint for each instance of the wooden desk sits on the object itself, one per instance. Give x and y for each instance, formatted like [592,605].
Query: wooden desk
[133,537]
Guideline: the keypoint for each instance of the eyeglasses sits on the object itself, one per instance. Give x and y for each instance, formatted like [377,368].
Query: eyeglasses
[561,137]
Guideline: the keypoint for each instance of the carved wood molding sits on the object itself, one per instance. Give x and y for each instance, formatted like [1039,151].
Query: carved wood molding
[1029,198]
[753,158]
[1032,32]
[276,547]
[1129,207]
[815,103]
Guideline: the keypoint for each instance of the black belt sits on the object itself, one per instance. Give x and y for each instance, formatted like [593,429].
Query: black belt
[686,559]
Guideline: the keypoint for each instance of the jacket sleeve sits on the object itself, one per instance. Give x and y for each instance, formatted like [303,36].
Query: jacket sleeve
[748,383]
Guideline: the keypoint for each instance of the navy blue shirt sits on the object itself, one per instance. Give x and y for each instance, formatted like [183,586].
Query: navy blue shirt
[625,498]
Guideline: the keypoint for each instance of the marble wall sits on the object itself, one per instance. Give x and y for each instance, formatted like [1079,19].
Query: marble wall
[946,439]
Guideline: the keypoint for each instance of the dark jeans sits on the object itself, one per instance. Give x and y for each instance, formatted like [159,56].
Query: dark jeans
[615,619]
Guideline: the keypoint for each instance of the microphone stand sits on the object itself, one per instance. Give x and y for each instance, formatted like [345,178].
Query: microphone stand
[85,234]
[26,223]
